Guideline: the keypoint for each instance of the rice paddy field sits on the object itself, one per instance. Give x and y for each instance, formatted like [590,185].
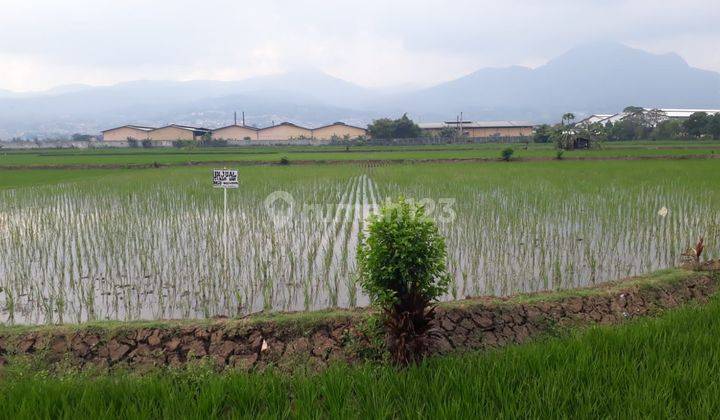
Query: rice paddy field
[114,244]
[119,157]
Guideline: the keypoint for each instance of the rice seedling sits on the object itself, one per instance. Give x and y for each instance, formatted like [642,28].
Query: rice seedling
[151,244]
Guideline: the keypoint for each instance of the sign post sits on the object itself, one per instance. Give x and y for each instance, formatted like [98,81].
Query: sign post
[225,178]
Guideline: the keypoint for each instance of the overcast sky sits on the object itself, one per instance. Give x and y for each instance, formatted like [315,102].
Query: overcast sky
[369,42]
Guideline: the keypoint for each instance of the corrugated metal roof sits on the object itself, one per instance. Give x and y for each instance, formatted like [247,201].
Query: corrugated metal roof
[235,125]
[685,113]
[477,124]
[137,127]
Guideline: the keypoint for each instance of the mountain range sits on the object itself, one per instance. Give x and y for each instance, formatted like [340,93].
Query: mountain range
[591,78]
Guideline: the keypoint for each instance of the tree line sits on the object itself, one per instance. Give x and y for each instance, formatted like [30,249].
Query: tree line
[638,124]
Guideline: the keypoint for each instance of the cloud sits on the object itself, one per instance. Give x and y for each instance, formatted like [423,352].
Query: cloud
[44,42]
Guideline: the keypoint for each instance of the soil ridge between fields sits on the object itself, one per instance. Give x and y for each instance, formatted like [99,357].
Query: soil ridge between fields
[288,341]
[364,162]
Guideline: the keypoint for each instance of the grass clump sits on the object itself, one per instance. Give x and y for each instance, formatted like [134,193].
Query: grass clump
[507,154]
[662,367]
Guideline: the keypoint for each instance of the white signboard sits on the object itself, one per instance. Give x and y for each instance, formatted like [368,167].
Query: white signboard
[225,178]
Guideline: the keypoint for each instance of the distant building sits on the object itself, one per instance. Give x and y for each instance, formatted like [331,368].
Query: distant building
[133,132]
[283,131]
[679,113]
[337,130]
[235,132]
[666,114]
[481,128]
[594,118]
[177,132]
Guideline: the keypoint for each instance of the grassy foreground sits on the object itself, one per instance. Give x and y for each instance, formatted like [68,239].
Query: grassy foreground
[659,368]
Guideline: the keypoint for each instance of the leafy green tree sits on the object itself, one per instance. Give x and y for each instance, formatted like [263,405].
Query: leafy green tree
[402,267]
[543,134]
[696,124]
[598,131]
[633,109]
[668,130]
[405,128]
[401,128]
[383,128]
[712,128]
[448,133]
[567,118]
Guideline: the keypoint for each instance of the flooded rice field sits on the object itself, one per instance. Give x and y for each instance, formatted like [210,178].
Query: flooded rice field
[157,244]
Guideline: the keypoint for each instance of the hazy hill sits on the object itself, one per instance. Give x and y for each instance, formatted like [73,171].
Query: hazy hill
[602,77]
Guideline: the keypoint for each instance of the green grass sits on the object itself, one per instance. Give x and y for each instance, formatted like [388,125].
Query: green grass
[262,154]
[666,367]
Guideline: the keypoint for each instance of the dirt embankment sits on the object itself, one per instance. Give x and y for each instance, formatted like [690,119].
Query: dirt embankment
[315,341]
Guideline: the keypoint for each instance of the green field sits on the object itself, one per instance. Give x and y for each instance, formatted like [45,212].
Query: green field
[261,154]
[121,243]
[129,244]
[668,367]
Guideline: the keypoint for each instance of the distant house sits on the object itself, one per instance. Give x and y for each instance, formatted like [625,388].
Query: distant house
[125,132]
[283,131]
[481,128]
[235,132]
[177,132]
[338,130]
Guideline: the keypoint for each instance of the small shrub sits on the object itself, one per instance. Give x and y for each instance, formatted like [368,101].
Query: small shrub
[209,142]
[146,144]
[402,267]
[507,154]
[284,161]
[132,143]
[182,144]
[559,154]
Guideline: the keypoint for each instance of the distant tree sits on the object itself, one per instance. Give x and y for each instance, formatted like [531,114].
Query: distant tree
[668,130]
[638,124]
[696,124]
[567,118]
[543,134]
[597,131]
[405,128]
[401,128]
[382,128]
[653,117]
[712,127]
[448,133]
[633,109]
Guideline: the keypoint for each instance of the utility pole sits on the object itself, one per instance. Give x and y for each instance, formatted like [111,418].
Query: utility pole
[235,117]
[243,117]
